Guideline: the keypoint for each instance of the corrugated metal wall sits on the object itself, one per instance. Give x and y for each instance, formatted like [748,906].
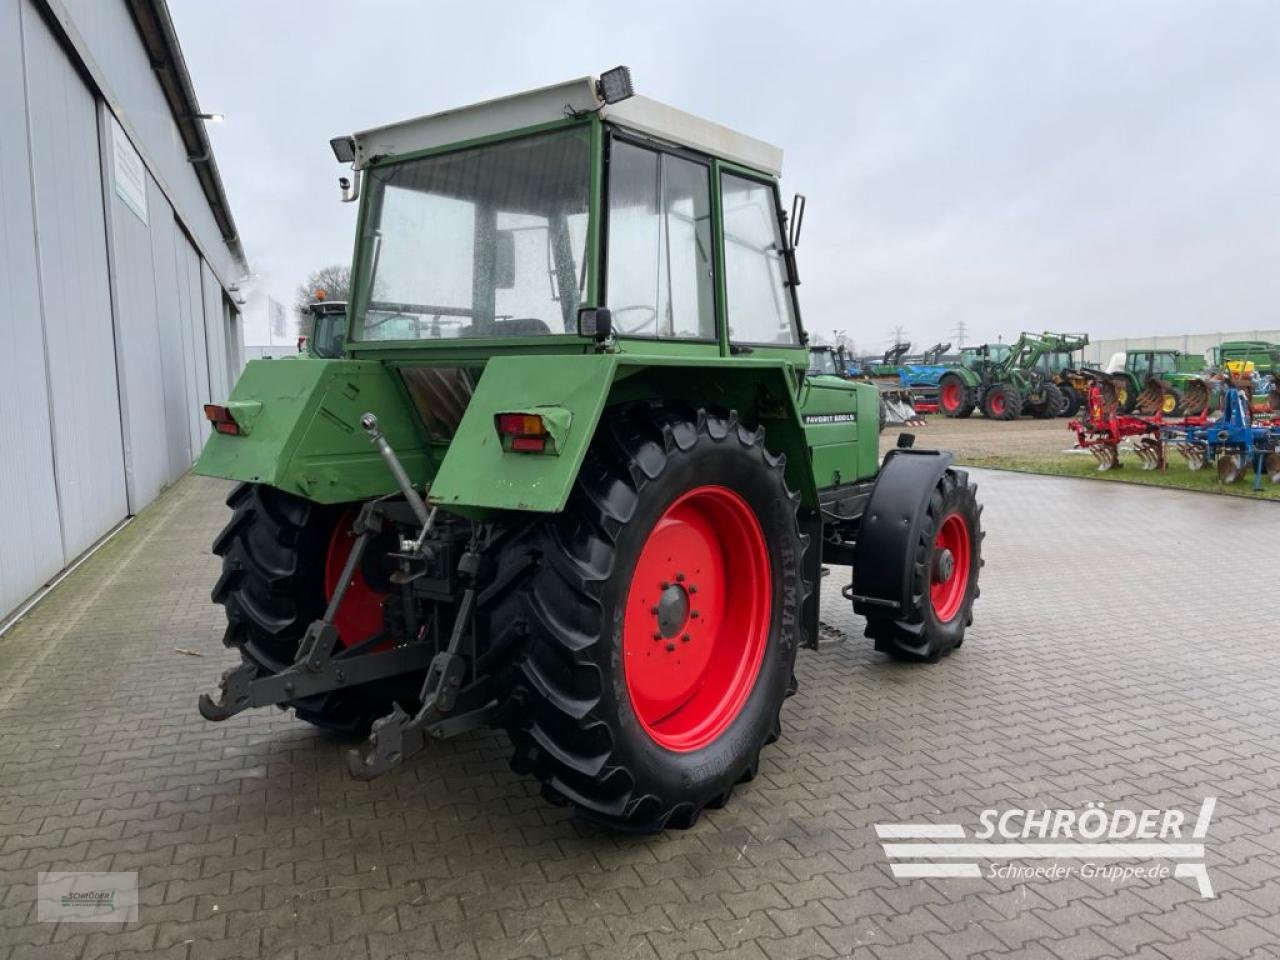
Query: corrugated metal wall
[115,329]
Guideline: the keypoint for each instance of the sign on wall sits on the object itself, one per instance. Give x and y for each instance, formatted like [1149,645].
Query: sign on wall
[128,174]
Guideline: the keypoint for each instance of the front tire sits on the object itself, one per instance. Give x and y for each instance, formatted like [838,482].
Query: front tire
[1002,402]
[663,621]
[1050,403]
[944,572]
[1071,401]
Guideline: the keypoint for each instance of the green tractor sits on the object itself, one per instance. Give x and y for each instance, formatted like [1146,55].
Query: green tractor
[1002,381]
[326,338]
[571,479]
[1160,381]
[1055,360]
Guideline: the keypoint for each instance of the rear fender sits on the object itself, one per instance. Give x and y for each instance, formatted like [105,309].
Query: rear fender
[967,376]
[303,434]
[891,526]
[478,477]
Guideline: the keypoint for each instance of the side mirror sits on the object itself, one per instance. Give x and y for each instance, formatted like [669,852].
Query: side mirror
[595,322]
[798,203]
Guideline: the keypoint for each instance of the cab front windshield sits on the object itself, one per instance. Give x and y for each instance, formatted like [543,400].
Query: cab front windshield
[485,242]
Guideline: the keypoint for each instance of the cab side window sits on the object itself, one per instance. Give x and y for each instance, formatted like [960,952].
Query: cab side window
[760,306]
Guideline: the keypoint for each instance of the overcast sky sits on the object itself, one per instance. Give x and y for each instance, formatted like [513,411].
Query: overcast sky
[1105,166]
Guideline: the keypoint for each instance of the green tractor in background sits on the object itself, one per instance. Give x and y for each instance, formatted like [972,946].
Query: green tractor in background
[327,333]
[1002,380]
[1160,381]
[571,478]
[1055,360]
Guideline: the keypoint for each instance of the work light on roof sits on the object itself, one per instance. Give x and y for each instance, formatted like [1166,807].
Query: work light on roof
[344,148]
[615,85]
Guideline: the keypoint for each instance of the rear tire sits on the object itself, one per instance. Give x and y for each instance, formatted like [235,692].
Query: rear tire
[273,586]
[942,607]
[955,397]
[594,728]
[1002,402]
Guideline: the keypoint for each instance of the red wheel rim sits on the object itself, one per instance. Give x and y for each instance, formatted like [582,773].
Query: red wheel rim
[950,395]
[949,569]
[997,403]
[360,615]
[697,617]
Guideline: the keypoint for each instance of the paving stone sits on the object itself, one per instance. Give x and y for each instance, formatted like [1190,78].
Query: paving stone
[453,855]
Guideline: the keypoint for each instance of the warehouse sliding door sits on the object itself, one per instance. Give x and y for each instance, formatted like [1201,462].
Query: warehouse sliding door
[75,294]
[30,540]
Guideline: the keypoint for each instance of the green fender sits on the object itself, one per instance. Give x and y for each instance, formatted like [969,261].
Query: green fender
[967,376]
[300,429]
[478,476]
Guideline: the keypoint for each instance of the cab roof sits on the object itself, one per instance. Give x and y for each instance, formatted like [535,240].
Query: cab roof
[548,104]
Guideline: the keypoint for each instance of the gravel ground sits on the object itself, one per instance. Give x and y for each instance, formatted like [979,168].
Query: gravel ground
[978,437]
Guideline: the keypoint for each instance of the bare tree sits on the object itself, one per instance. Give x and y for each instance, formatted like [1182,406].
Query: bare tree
[334,280]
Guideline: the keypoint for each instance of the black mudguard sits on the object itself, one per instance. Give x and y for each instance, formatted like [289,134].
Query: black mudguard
[891,525]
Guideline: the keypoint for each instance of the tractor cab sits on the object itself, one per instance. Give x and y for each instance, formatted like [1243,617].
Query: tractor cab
[328,332]
[1147,363]
[822,362]
[984,355]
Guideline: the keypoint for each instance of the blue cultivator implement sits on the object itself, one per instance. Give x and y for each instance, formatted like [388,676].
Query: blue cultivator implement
[1232,442]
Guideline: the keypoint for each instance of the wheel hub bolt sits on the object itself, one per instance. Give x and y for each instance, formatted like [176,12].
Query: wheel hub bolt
[670,647]
[686,638]
[679,578]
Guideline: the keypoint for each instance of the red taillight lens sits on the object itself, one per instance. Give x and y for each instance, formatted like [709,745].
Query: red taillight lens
[221,419]
[522,432]
[521,425]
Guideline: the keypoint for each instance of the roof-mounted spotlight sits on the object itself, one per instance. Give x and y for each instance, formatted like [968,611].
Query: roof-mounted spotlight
[344,148]
[615,85]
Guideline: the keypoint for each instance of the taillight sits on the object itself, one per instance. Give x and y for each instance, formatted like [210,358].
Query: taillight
[521,432]
[221,419]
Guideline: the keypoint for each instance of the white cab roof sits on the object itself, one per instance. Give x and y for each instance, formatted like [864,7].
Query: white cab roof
[547,104]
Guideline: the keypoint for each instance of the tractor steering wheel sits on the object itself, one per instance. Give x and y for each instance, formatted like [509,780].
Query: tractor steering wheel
[651,318]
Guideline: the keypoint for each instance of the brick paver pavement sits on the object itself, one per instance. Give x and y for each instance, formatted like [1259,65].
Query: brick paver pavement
[1123,652]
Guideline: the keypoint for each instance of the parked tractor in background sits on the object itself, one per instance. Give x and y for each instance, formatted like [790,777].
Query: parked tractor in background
[922,374]
[1002,381]
[896,408]
[327,333]
[1054,358]
[571,478]
[1168,382]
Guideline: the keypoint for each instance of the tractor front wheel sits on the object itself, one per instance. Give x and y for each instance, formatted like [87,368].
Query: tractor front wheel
[955,398]
[944,572]
[1049,405]
[1002,402]
[663,621]
[1071,401]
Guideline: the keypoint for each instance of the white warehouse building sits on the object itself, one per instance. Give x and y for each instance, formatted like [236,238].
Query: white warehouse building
[118,265]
